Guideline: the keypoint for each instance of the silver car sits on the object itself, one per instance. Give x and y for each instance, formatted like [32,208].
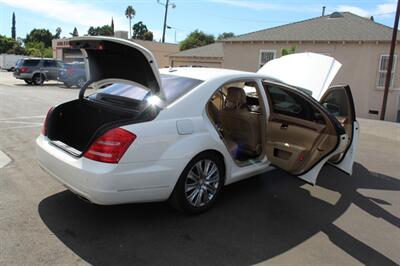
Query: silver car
[37,70]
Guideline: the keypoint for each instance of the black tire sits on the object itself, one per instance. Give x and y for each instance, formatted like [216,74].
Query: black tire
[68,85]
[28,81]
[179,197]
[38,79]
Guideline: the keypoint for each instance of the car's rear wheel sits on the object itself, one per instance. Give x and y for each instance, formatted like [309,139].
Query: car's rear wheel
[38,79]
[28,81]
[199,185]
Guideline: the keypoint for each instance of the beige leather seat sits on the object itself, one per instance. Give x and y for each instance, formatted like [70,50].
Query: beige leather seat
[240,125]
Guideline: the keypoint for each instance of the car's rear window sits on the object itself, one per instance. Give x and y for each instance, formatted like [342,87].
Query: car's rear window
[173,86]
[176,86]
[30,62]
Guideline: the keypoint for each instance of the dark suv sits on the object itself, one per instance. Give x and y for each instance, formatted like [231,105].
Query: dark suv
[37,70]
[73,74]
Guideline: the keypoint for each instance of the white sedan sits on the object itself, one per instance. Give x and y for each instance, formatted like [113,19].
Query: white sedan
[181,134]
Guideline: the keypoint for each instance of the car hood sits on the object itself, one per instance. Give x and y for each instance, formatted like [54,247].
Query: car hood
[310,71]
[115,58]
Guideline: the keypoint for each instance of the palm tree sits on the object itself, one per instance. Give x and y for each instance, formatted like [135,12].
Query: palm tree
[130,14]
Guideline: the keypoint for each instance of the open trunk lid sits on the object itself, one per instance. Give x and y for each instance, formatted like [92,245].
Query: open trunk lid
[114,58]
[310,71]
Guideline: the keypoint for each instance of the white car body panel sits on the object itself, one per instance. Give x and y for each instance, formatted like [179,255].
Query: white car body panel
[347,162]
[310,71]
[151,166]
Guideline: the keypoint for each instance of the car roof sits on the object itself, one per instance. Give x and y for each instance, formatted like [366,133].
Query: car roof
[203,73]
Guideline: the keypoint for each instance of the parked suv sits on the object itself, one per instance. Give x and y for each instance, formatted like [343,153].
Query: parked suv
[37,70]
[73,74]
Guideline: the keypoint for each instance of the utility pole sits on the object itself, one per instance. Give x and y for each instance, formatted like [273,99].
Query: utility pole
[390,66]
[166,5]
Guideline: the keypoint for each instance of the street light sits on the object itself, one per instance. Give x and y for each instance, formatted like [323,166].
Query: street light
[169,27]
[166,5]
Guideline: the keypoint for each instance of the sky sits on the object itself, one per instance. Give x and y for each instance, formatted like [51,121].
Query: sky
[210,16]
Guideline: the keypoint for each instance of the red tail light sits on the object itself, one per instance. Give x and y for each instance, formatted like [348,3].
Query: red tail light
[23,69]
[110,147]
[44,127]
[70,71]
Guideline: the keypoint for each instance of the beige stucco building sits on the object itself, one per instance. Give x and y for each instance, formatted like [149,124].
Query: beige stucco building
[62,51]
[360,44]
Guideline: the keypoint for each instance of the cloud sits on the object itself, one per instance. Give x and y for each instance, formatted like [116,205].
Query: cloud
[249,4]
[256,5]
[385,9]
[353,9]
[80,14]
[388,8]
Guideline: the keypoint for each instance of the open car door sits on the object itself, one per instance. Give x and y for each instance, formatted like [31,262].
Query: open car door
[338,101]
[304,133]
[301,136]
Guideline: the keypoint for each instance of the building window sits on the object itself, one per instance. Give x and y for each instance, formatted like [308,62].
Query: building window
[266,56]
[383,66]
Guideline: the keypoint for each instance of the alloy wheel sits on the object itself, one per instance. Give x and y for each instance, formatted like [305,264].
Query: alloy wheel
[202,182]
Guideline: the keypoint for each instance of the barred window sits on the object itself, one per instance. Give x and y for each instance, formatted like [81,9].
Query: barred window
[266,56]
[382,71]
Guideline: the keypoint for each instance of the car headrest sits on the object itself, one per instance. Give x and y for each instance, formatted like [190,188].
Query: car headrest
[236,97]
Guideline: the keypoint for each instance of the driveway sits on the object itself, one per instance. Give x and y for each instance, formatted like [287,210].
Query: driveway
[271,218]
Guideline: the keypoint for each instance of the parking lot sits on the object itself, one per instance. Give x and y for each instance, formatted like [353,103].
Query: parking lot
[271,218]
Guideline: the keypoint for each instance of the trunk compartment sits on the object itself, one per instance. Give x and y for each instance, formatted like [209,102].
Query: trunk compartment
[78,123]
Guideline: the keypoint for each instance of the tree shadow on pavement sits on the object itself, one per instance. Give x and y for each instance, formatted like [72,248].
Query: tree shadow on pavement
[253,221]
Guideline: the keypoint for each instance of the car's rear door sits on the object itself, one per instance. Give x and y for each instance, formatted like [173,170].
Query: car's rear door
[301,136]
[338,101]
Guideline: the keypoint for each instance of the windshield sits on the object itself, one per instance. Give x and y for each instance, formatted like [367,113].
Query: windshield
[173,86]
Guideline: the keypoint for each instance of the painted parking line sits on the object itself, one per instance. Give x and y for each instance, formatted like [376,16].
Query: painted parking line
[8,128]
[4,159]
[22,117]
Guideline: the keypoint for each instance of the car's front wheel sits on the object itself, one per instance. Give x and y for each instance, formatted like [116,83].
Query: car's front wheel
[199,185]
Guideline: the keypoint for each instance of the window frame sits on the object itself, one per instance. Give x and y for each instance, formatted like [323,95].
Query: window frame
[260,64]
[385,72]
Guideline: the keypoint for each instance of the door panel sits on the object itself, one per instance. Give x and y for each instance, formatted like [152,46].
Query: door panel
[299,133]
[338,100]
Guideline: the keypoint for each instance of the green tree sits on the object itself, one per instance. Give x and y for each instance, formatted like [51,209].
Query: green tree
[74,33]
[130,14]
[148,36]
[225,35]
[39,35]
[112,23]
[288,51]
[6,44]
[38,49]
[13,30]
[105,30]
[196,39]
[139,30]
[58,33]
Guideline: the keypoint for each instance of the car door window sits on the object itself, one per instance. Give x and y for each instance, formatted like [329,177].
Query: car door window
[49,63]
[336,103]
[288,103]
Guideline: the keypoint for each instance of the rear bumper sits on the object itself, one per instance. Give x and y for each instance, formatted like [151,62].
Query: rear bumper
[108,184]
[22,75]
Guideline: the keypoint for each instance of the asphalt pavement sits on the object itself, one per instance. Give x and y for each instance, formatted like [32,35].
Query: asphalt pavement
[272,218]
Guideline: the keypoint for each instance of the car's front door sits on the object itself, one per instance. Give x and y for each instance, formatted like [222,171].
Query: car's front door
[338,101]
[301,136]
